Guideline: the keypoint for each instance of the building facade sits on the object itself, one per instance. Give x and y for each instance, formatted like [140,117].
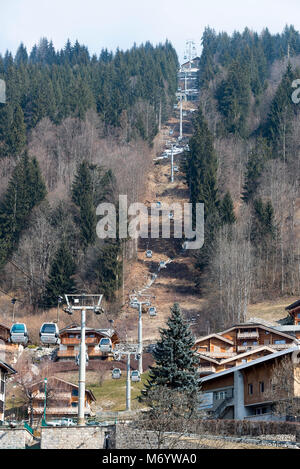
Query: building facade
[5,371]
[70,342]
[62,399]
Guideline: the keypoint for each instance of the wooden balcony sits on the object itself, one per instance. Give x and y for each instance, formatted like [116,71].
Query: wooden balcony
[281,346]
[74,353]
[248,335]
[58,396]
[75,341]
[207,369]
[218,354]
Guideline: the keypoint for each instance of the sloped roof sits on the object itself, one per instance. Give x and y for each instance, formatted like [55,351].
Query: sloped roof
[88,391]
[261,326]
[217,336]
[249,352]
[272,356]
[293,305]
[9,369]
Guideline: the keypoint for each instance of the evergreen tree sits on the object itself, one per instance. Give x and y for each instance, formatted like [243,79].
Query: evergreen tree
[227,215]
[16,139]
[108,269]
[83,197]
[61,274]
[254,169]
[25,190]
[175,361]
[277,127]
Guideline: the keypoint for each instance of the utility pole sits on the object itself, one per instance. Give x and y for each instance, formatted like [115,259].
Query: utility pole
[180,124]
[13,300]
[172,164]
[126,350]
[82,303]
[82,368]
[134,302]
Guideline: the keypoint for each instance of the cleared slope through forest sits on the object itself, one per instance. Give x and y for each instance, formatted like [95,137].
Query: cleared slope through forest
[175,283]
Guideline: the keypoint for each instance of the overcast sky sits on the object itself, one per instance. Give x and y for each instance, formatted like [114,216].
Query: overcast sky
[120,23]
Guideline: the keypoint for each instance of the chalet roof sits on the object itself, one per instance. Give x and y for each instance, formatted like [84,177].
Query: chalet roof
[249,352]
[207,358]
[261,326]
[77,329]
[88,391]
[217,336]
[272,356]
[293,305]
[7,367]
[288,328]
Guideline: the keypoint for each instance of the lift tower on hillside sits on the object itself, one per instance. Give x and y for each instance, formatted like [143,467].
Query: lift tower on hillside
[190,51]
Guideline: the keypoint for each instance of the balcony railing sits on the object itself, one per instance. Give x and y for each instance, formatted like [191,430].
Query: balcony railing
[76,341]
[281,346]
[219,354]
[74,353]
[57,396]
[248,335]
[245,348]
[207,369]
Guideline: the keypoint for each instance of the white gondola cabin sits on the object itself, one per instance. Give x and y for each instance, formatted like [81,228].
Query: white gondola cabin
[135,376]
[105,345]
[49,333]
[116,373]
[19,334]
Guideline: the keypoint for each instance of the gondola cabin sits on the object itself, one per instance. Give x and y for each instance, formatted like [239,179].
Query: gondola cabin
[49,333]
[105,345]
[19,334]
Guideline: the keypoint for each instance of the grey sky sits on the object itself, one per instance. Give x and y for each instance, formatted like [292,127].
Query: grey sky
[120,23]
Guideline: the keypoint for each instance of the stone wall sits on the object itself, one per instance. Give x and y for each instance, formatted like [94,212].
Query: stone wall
[15,438]
[89,437]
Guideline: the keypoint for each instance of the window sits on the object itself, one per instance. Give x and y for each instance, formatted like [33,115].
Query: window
[279,342]
[74,404]
[244,360]
[75,392]
[261,386]
[298,315]
[250,389]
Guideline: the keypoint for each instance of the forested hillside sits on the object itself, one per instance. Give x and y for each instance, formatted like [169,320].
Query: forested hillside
[244,163]
[76,130]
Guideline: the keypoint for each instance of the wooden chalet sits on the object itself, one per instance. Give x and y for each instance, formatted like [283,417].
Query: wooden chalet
[208,365]
[245,391]
[215,346]
[294,311]
[5,370]
[62,399]
[70,342]
[250,335]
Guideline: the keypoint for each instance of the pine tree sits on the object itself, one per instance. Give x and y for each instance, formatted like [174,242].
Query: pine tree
[16,140]
[108,269]
[175,361]
[83,197]
[60,279]
[254,169]
[227,215]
